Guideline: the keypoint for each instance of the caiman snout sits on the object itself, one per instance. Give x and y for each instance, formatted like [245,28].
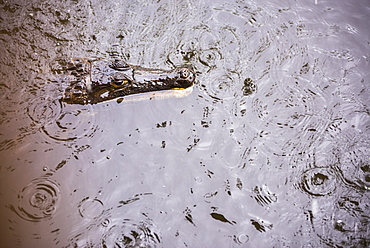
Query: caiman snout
[185,77]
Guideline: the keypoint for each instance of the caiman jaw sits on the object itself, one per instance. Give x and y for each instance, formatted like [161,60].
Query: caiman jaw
[96,80]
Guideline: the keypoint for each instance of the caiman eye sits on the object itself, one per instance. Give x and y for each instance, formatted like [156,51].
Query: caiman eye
[120,82]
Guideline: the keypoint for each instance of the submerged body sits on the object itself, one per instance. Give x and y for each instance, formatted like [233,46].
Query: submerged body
[98,80]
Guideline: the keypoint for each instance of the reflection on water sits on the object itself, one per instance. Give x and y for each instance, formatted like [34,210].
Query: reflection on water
[271,149]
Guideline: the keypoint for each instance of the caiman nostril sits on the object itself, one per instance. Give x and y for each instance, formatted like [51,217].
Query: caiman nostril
[184,73]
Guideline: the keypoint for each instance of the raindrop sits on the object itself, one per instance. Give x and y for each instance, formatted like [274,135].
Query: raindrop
[186,51]
[356,169]
[105,223]
[198,179]
[339,225]
[209,196]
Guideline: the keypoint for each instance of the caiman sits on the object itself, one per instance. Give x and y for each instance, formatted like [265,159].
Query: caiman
[93,80]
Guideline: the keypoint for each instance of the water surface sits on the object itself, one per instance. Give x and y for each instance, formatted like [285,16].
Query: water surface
[270,150]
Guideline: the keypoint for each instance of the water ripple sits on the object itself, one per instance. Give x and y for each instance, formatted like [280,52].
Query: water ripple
[130,234]
[222,86]
[342,222]
[90,208]
[203,50]
[241,239]
[230,152]
[210,57]
[38,200]
[263,196]
[62,122]
[72,123]
[319,181]
[42,110]
[355,167]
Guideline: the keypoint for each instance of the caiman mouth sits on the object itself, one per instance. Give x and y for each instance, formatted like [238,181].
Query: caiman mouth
[97,80]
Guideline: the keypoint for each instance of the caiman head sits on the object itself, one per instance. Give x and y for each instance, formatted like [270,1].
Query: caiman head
[98,80]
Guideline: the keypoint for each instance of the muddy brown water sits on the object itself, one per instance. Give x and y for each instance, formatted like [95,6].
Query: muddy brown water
[271,149]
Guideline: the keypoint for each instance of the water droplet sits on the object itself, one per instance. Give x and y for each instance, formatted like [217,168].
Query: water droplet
[105,223]
[339,225]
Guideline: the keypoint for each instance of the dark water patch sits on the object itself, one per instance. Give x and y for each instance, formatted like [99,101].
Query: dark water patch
[221,218]
[188,216]
[249,87]
[132,199]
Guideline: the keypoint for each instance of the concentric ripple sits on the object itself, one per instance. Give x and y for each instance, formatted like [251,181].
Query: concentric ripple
[210,57]
[73,122]
[90,208]
[343,223]
[38,200]
[230,153]
[61,122]
[222,85]
[130,235]
[356,167]
[42,110]
[319,181]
